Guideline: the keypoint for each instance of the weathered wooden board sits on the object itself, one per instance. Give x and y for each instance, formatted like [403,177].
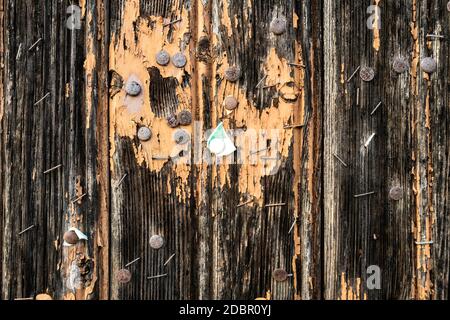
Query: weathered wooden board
[43,58]
[285,198]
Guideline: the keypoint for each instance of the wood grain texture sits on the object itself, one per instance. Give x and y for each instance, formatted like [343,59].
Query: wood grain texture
[58,130]
[283,199]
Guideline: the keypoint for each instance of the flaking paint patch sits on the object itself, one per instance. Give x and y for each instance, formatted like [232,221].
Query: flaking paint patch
[376,31]
[267,124]
[132,53]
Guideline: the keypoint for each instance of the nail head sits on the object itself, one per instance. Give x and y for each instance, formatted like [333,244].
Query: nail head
[181,136]
[233,74]
[123,276]
[396,193]
[179,60]
[172,120]
[133,88]
[184,117]
[366,74]
[448,6]
[144,134]
[400,65]
[230,103]
[70,237]
[428,65]
[162,58]
[280,275]
[278,26]
[156,242]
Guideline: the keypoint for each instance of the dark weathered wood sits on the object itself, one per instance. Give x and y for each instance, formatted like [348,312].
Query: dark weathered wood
[70,155]
[64,128]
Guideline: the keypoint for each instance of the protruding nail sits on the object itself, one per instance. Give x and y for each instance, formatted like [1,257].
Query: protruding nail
[363,194]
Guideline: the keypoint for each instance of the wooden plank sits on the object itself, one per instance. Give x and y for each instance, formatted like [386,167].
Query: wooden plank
[251,241]
[154,198]
[45,124]
[370,230]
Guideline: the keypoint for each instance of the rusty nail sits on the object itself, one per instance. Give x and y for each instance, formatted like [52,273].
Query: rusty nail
[123,276]
[298,65]
[70,237]
[144,133]
[271,85]
[185,117]
[245,203]
[133,88]
[162,58]
[132,262]
[396,193]
[280,275]
[172,120]
[366,74]
[340,160]
[275,205]
[181,137]
[278,26]
[363,194]
[42,99]
[179,60]
[435,36]
[168,260]
[423,242]
[400,64]
[19,52]
[79,198]
[157,276]
[260,150]
[34,44]
[291,126]
[27,229]
[160,158]
[156,242]
[230,103]
[369,140]
[357,96]
[121,180]
[53,169]
[376,107]
[293,225]
[428,65]
[171,22]
[232,74]
[353,74]
[261,81]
